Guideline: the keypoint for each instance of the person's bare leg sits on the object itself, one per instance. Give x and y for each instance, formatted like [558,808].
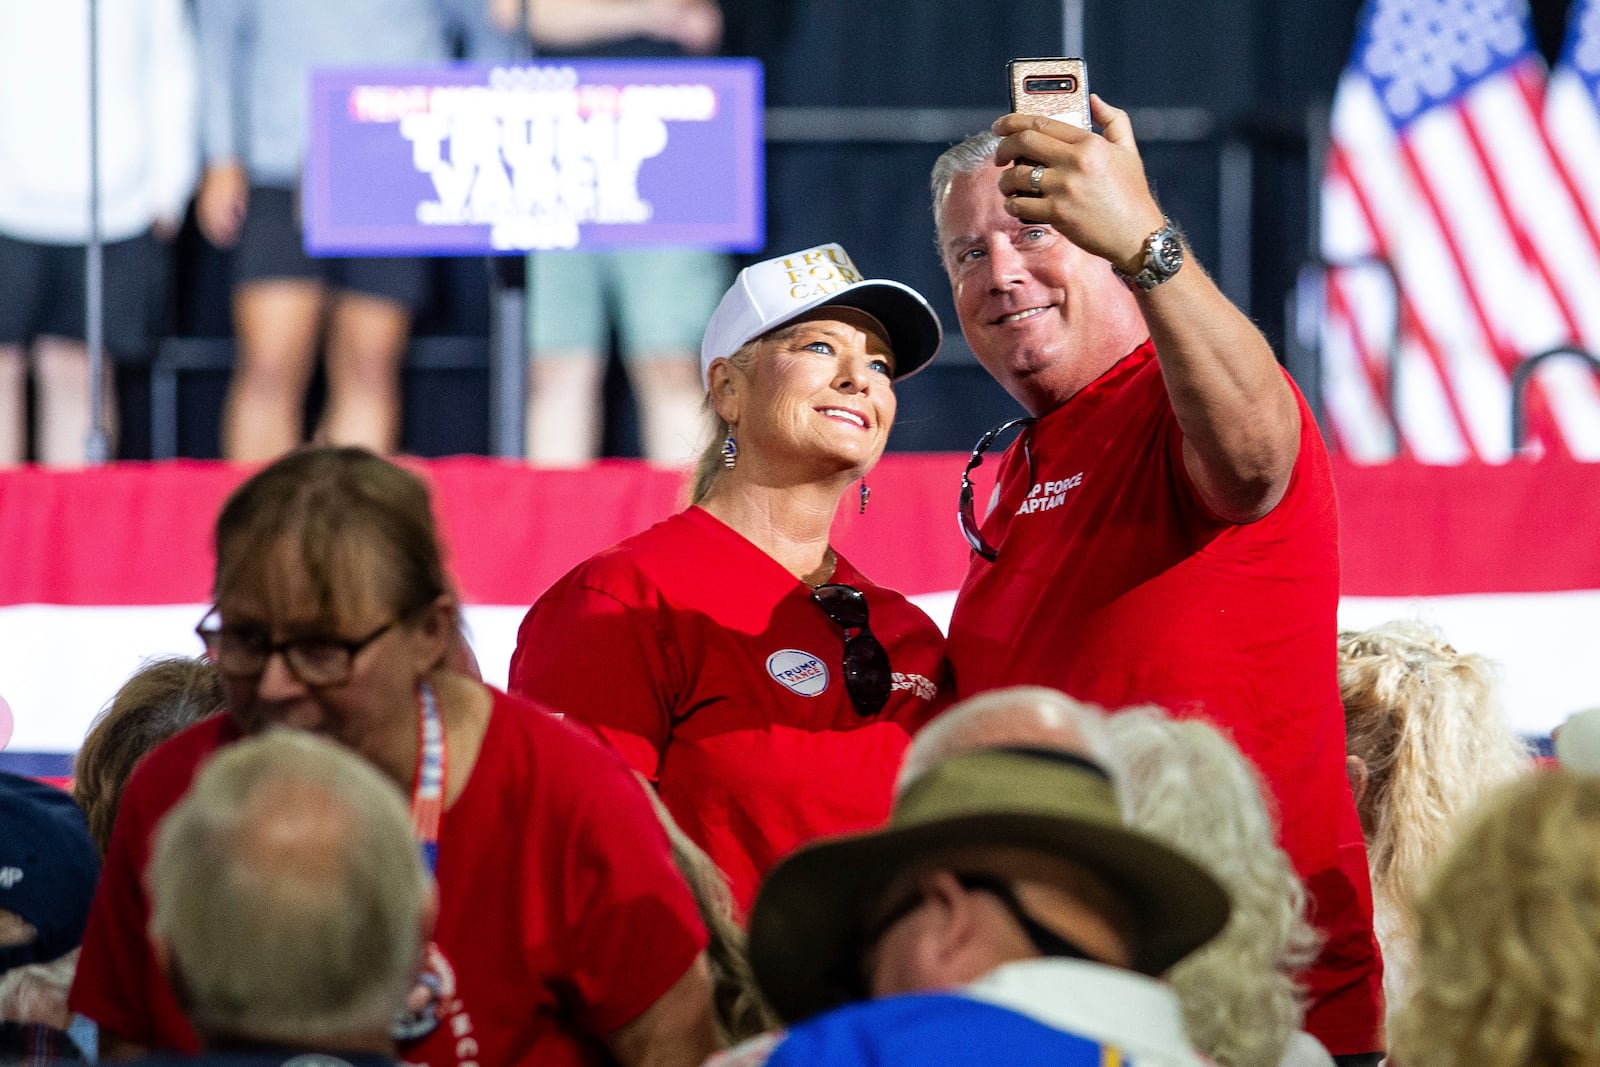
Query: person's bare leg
[564,401]
[13,405]
[62,423]
[366,342]
[670,395]
[276,323]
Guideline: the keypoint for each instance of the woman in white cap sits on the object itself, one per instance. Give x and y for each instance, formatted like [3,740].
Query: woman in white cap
[761,682]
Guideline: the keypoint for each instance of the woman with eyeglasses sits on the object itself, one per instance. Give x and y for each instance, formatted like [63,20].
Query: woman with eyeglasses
[763,684]
[563,930]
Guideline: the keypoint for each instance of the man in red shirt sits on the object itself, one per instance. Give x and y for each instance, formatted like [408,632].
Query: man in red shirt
[1165,530]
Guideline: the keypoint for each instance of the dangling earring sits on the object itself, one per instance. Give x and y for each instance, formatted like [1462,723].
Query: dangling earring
[730,451]
[866,495]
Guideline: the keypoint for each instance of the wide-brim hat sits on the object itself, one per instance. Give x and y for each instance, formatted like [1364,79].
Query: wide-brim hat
[768,294]
[806,925]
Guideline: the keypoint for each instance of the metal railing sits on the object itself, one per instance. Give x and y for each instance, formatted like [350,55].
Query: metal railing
[1522,377]
[1306,330]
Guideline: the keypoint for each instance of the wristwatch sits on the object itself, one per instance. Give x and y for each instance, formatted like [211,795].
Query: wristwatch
[1163,255]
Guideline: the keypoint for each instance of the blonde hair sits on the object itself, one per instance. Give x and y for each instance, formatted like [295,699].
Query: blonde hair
[742,1012]
[299,942]
[1426,721]
[1184,782]
[1508,935]
[708,468]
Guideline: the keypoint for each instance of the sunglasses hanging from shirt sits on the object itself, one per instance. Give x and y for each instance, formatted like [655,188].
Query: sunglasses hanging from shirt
[867,677]
[965,512]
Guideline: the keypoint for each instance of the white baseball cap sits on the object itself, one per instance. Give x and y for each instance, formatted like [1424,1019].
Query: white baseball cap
[1577,742]
[768,294]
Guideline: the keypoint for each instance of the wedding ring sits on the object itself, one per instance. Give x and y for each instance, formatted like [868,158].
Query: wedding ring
[1033,178]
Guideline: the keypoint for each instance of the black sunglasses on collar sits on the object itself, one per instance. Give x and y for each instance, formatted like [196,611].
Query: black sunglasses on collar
[867,676]
[964,511]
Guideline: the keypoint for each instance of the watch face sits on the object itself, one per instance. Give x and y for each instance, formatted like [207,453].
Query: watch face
[1167,253]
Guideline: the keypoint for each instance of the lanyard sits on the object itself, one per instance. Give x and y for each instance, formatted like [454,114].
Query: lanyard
[427,786]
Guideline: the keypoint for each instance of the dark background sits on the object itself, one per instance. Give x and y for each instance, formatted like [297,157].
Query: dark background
[1261,73]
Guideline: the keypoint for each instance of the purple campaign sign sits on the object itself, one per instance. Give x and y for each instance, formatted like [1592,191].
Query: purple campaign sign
[469,160]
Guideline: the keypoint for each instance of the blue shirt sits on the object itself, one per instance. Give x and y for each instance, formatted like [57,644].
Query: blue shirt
[1065,1013]
[935,1030]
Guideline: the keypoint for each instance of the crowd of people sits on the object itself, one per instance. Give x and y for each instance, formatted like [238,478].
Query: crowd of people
[205,102]
[743,804]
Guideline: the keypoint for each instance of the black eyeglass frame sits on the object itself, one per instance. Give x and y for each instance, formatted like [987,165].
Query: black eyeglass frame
[291,648]
[852,982]
[868,676]
[966,514]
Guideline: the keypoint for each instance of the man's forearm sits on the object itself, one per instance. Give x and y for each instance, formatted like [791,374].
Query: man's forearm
[678,1030]
[1240,421]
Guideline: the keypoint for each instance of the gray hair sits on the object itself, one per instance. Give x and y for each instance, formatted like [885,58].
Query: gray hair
[289,889]
[1020,715]
[1184,782]
[971,155]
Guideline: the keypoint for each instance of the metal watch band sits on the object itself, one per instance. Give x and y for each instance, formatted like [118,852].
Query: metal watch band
[1166,242]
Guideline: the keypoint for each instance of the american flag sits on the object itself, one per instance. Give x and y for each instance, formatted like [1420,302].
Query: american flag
[1572,118]
[1456,241]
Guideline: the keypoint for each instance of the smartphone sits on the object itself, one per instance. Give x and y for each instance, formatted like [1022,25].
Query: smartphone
[1057,88]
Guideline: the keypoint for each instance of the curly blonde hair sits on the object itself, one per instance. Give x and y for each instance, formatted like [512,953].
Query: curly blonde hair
[1185,782]
[1508,935]
[1426,721]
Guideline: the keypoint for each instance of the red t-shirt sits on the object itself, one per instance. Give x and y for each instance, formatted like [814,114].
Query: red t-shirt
[1116,584]
[561,913]
[707,665]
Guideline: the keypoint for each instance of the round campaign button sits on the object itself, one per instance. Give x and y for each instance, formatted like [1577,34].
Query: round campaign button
[800,671]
